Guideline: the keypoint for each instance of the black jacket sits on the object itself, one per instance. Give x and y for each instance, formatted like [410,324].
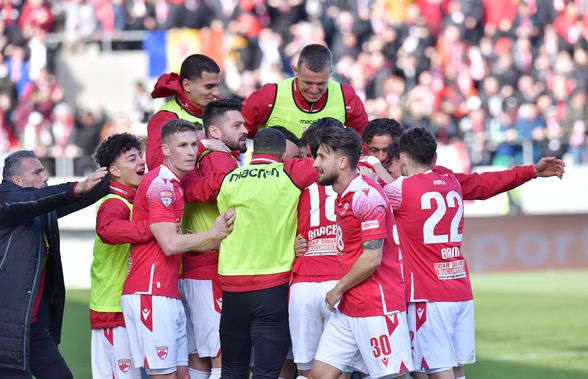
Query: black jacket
[26,215]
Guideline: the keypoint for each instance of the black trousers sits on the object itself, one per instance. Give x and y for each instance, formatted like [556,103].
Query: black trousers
[258,320]
[45,361]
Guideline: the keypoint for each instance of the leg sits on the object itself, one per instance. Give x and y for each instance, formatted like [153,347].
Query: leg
[235,326]
[44,358]
[446,374]
[459,372]
[323,370]
[269,331]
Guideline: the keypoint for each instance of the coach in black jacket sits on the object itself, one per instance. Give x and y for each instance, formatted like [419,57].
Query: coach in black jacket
[29,244]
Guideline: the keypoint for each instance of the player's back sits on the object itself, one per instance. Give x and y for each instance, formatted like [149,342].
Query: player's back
[430,225]
[317,224]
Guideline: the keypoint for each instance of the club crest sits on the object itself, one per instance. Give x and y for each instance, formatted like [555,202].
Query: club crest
[161,351]
[166,197]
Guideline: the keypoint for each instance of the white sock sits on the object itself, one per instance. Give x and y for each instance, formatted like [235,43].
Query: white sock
[461,377]
[195,374]
[301,377]
[215,373]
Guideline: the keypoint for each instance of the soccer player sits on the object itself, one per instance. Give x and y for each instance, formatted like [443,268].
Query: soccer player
[297,102]
[378,135]
[111,352]
[200,288]
[439,208]
[317,270]
[369,325]
[151,305]
[195,87]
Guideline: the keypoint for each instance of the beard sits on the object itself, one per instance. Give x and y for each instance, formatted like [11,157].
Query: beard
[327,180]
[236,146]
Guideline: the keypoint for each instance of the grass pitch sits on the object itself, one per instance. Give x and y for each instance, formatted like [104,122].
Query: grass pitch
[528,325]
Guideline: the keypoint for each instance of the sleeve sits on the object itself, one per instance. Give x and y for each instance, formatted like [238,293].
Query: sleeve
[301,172]
[481,186]
[153,154]
[98,192]
[257,107]
[201,188]
[217,163]
[370,210]
[22,205]
[355,115]
[160,200]
[393,191]
[113,224]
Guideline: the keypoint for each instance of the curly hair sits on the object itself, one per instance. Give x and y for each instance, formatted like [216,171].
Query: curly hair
[112,148]
[382,127]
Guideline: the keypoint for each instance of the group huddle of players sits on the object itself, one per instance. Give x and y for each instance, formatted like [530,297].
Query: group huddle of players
[347,252]
[369,252]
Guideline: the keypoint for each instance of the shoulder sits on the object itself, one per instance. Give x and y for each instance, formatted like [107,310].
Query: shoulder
[348,91]
[266,92]
[366,196]
[161,118]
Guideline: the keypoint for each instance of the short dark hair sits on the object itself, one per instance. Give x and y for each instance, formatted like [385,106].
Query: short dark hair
[394,150]
[344,141]
[218,108]
[115,145]
[12,163]
[316,57]
[382,127]
[419,144]
[193,67]
[287,133]
[312,134]
[269,141]
[177,125]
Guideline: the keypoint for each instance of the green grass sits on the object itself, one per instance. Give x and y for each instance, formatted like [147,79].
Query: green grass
[528,325]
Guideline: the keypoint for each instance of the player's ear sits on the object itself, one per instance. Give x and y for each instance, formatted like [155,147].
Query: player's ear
[214,132]
[187,85]
[114,172]
[434,163]
[165,149]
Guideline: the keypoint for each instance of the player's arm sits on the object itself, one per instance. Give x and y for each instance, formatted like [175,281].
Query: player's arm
[301,172]
[257,107]
[172,243]
[201,188]
[355,115]
[113,224]
[375,166]
[393,192]
[481,186]
[363,267]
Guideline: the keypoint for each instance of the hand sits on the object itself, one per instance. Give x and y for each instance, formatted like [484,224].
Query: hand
[300,245]
[215,145]
[223,224]
[366,171]
[91,181]
[549,166]
[332,298]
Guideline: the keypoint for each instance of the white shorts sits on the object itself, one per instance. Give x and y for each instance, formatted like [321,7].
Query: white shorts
[442,334]
[378,345]
[308,314]
[203,301]
[111,355]
[157,331]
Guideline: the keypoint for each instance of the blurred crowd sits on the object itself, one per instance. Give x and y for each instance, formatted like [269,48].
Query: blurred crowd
[497,81]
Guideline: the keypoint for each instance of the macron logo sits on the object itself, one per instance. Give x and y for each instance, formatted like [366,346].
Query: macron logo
[146,313]
[420,312]
[367,225]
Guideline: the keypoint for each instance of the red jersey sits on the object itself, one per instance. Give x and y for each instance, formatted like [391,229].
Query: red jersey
[429,210]
[204,265]
[363,214]
[114,227]
[258,106]
[159,198]
[316,223]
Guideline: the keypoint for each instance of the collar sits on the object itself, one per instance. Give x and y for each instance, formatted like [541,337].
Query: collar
[263,159]
[351,185]
[303,103]
[120,189]
[167,173]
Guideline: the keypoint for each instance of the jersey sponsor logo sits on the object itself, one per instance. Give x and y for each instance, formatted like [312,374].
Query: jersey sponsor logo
[307,122]
[161,352]
[368,225]
[439,182]
[451,270]
[322,246]
[259,173]
[321,231]
[166,197]
[124,364]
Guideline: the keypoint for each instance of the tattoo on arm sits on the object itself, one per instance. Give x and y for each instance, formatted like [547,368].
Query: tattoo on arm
[373,244]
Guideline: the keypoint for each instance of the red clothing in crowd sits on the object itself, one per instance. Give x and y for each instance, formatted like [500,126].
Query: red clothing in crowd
[257,107]
[114,227]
